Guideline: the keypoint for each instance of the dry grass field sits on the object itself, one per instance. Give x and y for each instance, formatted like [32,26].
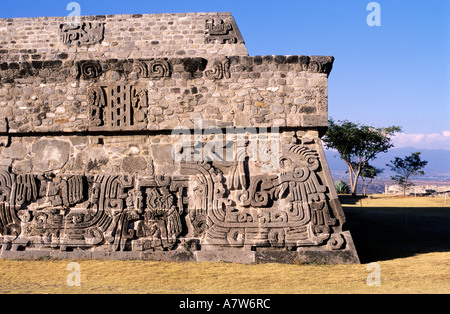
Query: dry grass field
[409,238]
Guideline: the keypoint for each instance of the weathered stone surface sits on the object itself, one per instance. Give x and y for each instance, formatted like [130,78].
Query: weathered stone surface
[4,141]
[314,121]
[4,123]
[16,151]
[165,93]
[91,159]
[114,37]
[24,166]
[79,140]
[234,256]
[85,33]
[134,164]
[162,157]
[158,137]
[50,155]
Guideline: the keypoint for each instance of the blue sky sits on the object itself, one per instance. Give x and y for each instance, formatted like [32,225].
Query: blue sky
[394,74]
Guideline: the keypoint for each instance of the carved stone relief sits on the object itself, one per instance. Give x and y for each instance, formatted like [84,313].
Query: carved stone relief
[4,140]
[222,31]
[85,211]
[84,34]
[88,69]
[288,209]
[220,69]
[118,107]
[156,68]
[87,160]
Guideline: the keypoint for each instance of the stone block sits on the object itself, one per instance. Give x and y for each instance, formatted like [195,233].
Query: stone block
[15,151]
[134,164]
[3,125]
[168,256]
[308,120]
[23,166]
[4,140]
[231,256]
[91,159]
[50,155]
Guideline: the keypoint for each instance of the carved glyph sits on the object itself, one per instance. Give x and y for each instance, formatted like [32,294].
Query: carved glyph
[83,34]
[222,31]
[118,107]
[88,69]
[220,69]
[156,68]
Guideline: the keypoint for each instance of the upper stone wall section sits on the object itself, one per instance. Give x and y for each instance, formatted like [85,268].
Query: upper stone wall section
[150,73]
[178,35]
[164,93]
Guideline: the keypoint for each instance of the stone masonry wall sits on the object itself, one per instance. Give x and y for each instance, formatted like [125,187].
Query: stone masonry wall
[120,37]
[158,137]
[57,96]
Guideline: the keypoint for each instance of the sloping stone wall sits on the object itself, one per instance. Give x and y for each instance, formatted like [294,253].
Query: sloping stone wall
[174,145]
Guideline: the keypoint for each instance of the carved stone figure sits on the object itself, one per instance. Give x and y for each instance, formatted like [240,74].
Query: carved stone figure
[287,209]
[161,224]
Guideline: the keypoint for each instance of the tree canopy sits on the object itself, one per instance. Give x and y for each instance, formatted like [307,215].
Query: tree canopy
[358,144]
[369,173]
[406,168]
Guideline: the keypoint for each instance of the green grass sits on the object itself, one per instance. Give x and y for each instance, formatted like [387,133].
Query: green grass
[413,256]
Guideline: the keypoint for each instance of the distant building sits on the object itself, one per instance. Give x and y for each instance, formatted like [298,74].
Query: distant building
[418,190]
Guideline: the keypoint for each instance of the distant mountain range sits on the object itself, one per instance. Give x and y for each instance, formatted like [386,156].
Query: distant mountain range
[438,167]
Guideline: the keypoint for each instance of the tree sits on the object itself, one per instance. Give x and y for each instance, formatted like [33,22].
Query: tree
[368,172]
[358,144]
[406,168]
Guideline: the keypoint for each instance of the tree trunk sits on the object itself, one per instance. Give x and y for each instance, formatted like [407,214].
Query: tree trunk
[367,187]
[355,183]
[354,190]
[352,182]
[405,185]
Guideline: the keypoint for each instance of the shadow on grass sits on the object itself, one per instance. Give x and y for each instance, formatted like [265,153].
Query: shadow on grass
[384,233]
[347,199]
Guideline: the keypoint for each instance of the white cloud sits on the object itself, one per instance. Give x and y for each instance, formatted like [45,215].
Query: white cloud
[423,141]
